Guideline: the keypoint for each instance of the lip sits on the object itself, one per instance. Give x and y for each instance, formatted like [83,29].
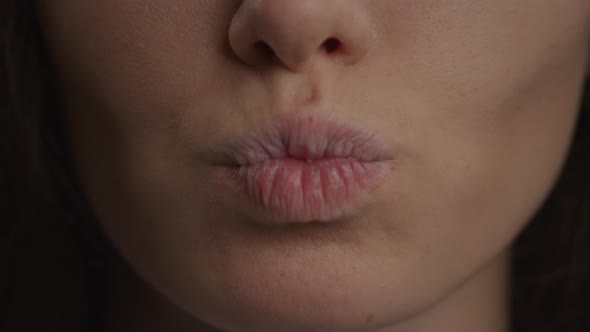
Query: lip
[303,168]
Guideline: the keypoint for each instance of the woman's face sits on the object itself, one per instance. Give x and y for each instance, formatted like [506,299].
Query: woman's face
[473,104]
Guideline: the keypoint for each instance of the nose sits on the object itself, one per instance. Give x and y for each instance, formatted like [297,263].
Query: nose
[295,33]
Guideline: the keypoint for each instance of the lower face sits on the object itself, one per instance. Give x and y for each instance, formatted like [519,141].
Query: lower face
[476,99]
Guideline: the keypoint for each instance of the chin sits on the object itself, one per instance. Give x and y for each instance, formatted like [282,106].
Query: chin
[305,292]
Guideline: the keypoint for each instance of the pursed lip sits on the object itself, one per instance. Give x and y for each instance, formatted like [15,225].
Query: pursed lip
[308,137]
[304,167]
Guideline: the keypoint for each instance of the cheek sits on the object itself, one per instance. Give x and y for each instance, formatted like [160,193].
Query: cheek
[485,97]
[139,55]
[484,134]
[472,178]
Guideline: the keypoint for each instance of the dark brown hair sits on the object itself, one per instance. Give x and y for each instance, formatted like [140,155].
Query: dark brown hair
[551,257]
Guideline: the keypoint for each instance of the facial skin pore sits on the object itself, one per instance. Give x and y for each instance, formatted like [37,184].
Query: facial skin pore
[478,98]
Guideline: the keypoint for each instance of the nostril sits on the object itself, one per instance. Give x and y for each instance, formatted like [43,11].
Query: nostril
[264,48]
[331,45]
[265,52]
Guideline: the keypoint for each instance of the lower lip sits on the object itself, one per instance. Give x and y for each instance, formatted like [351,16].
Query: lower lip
[297,191]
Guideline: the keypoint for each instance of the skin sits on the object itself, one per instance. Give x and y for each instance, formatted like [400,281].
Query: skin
[479,99]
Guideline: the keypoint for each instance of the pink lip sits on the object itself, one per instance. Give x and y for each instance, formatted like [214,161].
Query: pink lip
[305,168]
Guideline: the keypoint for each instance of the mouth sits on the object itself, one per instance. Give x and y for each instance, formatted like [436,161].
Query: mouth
[305,168]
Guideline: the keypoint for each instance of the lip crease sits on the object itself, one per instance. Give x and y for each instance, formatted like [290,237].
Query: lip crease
[305,167]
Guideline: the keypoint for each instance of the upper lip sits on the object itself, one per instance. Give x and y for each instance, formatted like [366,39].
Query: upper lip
[308,137]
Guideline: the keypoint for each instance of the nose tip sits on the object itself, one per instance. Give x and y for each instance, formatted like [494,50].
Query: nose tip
[295,33]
